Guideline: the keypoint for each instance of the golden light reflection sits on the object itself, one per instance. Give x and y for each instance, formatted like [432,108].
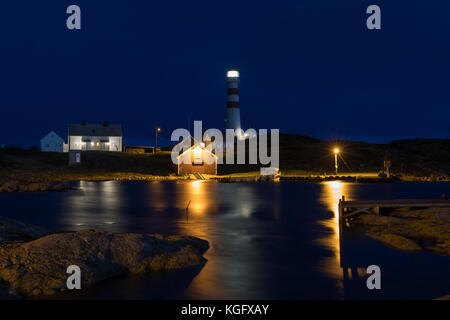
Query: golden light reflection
[334,190]
[203,197]
[335,193]
[199,194]
[237,201]
[198,197]
[196,183]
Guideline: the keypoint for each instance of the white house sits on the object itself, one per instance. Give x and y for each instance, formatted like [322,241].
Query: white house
[100,137]
[52,143]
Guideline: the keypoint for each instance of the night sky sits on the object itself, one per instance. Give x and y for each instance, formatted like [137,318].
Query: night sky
[307,67]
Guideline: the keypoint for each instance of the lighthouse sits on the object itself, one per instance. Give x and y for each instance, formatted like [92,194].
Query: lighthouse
[233,108]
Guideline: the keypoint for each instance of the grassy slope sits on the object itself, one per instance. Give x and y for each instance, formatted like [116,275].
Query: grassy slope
[299,155]
[23,164]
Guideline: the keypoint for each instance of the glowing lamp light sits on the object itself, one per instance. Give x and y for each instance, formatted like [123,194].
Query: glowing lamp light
[198,155]
[233,74]
[336,165]
[197,151]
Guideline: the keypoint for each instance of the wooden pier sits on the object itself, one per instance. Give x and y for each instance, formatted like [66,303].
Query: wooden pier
[353,257]
[350,208]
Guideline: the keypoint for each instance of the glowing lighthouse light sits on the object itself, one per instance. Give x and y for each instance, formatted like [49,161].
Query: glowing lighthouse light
[233,107]
[233,74]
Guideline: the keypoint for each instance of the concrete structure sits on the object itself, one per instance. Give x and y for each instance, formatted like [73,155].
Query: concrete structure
[52,143]
[99,137]
[74,157]
[197,159]
[233,106]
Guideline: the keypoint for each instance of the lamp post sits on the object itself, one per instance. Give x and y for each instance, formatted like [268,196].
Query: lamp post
[336,152]
[156,138]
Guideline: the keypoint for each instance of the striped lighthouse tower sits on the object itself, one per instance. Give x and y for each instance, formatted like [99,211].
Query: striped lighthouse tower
[233,108]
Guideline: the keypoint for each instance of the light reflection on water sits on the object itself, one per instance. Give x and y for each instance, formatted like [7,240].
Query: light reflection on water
[333,191]
[210,209]
[267,240]
[79,209]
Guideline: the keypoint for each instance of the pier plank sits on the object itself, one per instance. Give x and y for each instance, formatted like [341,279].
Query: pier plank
[351,208]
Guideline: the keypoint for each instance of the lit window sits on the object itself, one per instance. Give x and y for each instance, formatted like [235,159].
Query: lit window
[198,155]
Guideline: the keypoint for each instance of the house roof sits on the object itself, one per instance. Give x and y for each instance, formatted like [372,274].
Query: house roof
[98,130]
[194,143]
[49,135]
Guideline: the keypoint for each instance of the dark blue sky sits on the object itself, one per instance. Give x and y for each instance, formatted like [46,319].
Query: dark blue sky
[308,67]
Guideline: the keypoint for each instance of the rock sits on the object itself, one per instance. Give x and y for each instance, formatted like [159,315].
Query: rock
[427,229]
[16,186]
[39,266]
[12,230]
[376,220]
[396,241]
[39,186]
[9,186]
[60,187]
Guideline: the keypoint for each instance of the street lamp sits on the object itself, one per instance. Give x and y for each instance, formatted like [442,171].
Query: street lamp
[336,152]
[156,138]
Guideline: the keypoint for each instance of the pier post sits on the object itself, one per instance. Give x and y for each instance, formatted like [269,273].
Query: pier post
[340,208]
[187,211]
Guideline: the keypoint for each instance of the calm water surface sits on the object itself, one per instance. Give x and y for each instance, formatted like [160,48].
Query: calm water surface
[268,241]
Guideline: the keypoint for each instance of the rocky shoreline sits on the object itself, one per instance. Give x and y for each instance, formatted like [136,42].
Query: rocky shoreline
[21,181]
[44,185]
[34,261]
[10,186]
[410,230]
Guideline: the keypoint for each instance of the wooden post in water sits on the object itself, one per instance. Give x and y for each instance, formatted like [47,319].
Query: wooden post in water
[340,207]
[341,227]
[187,211]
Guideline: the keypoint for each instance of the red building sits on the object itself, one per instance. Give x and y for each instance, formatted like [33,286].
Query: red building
[197,159]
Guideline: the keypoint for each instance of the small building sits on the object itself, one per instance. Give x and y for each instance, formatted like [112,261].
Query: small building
[140,150]
[95,137]
[74,157]
[197,159]
[270,174]
[52,143]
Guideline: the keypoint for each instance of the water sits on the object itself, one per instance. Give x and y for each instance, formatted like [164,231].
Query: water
[268,240]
